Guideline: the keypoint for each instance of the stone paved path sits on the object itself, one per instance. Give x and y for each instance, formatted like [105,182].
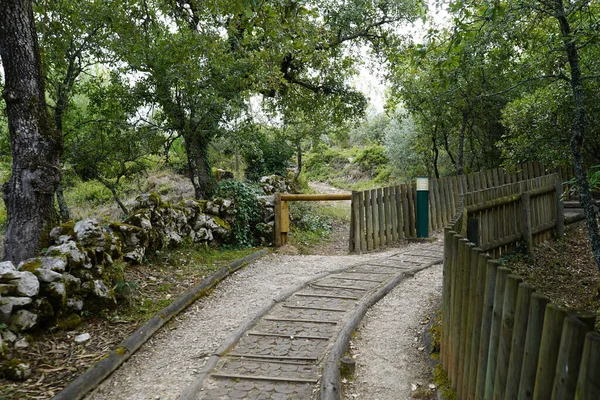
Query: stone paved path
[281,356]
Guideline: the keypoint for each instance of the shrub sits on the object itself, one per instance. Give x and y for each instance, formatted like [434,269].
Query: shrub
[323,162]
[90,191]
[371,158]
[269,156]
[247,210]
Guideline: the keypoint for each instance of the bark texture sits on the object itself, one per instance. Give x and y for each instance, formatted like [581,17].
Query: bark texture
[577,135]
[35,145]
[201,175]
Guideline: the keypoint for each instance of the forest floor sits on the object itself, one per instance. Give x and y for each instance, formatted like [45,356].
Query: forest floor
[564,270]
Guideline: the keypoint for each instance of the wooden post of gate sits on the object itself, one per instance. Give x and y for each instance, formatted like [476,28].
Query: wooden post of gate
[282,221]
[282,212]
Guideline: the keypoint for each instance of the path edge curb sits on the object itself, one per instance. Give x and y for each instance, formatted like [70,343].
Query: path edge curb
[98,372]
[330,378]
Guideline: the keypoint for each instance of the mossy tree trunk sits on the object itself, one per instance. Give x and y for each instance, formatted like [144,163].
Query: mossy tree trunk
[35,144]
[200,171]
[63,208]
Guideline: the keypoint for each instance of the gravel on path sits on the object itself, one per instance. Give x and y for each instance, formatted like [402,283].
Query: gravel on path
[388,346]
[165,366]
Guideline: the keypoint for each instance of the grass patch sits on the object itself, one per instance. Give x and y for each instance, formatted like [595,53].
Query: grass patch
[309,225]
[152,286]
[440,378]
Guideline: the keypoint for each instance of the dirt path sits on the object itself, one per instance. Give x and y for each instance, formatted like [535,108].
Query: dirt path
[388,346]
[168,363]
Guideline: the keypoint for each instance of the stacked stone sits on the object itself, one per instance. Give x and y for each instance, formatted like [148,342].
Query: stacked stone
[76,271]
[274,183]
[155,225]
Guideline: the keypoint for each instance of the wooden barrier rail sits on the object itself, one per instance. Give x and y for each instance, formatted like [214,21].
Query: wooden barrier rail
[282,211]
[528,210]
[500,338]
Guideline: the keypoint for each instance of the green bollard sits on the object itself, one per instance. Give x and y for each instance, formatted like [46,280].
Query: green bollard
[422,207]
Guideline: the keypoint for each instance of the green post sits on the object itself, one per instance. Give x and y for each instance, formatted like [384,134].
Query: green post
[422,207]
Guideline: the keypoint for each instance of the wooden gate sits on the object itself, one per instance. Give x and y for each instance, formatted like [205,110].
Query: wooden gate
[282,212]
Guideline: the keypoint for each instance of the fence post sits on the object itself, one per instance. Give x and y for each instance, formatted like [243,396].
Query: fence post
[588,384]
[549,344]
[458,311]
[517,348]
[422,207]
[473,230]
[560,212]
[277,220]
[477,322]
[569,358]
[490,374]
[362,242]
[506,334]
[471,311]
[526,222]
[355,224]
[537,312]
[381,217]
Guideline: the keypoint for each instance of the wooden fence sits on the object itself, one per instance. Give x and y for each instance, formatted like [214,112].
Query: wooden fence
[500,338]
[498,217]
[381,216]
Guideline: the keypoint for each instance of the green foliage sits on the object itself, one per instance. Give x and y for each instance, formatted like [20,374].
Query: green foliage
[323,162]
[370,132]
[536,124]
[406,154]
[593,177]
[308,227]
[371,158]
[270,155]
[246,209]
[303,217]
[89,192]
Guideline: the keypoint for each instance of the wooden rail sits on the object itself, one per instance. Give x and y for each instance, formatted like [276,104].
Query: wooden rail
[282,211]
[500,338]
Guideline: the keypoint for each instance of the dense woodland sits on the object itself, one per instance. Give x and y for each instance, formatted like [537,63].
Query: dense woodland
[97,94]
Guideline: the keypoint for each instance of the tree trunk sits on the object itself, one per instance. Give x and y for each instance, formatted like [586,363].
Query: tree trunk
[113,190]
[447,145]
[460,152]
[35,145]
[577,136]
[299,158]
[63,208]
[436,153]
[203,180]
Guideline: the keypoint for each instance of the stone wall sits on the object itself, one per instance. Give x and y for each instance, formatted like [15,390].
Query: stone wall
[77,271]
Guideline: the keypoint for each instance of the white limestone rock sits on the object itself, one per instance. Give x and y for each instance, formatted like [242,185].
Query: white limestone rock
[8,271]
[22,320]
[28,284]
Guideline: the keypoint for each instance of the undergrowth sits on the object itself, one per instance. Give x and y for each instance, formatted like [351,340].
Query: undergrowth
[152,286]
[308,226]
